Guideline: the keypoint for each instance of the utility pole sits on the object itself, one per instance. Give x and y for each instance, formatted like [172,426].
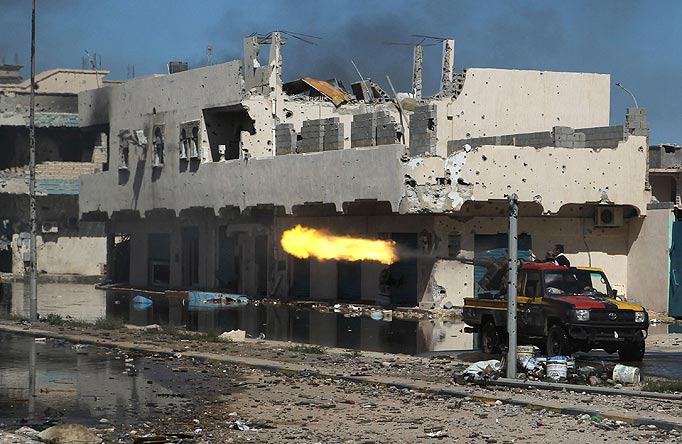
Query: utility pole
[512,268]
[33,304]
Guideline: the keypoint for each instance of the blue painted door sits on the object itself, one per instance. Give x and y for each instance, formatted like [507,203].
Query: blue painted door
[675,298]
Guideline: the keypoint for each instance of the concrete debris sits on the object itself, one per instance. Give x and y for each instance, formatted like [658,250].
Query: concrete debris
[233,336]
[69,434]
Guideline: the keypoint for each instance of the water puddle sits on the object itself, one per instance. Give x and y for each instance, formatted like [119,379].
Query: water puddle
[296,324]
[276,322]
[52,379]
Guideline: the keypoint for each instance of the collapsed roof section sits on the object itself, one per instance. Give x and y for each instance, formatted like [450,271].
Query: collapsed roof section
[331,89]
[266,79]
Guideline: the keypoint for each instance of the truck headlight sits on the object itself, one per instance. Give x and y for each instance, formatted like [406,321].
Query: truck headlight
[582,315]
[640,316]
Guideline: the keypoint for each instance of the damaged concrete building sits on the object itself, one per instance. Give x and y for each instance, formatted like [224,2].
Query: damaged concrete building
[208,167]
[63,153]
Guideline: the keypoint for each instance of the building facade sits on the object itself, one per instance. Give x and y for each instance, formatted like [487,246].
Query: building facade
[208,167]
[63,152]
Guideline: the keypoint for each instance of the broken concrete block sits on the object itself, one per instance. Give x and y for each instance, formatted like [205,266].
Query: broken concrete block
[69,433]
[233,336]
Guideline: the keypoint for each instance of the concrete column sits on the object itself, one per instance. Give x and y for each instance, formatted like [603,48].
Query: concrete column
[446,84]
[275,63]
[175,259]
[139,268]
[110,253]
[208,248]
[251,51]
[417,67]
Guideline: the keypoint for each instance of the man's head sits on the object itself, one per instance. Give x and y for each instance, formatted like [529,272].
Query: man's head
[558,249]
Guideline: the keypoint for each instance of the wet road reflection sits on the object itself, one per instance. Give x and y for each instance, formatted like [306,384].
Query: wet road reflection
[305,325]
[286,323]
[50,379]
[277,322]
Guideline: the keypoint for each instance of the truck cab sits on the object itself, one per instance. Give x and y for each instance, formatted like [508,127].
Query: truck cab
[561,309]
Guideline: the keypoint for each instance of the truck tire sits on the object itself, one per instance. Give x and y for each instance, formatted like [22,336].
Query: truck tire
[633,350]
[490,339]
[557,341]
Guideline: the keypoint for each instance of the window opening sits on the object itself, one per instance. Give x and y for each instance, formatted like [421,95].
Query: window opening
[158,147]
[194,153]
[184,145]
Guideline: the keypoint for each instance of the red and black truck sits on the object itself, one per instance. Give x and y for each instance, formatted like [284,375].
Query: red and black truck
[560,309]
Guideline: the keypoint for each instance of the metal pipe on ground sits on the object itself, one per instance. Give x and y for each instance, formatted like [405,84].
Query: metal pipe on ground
[517,383]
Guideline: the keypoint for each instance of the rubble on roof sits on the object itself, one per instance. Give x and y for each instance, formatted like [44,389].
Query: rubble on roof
[332,89]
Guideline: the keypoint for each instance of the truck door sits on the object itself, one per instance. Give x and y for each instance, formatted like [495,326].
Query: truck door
[530,305]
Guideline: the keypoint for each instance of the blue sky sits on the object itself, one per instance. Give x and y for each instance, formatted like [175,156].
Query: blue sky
[639,43]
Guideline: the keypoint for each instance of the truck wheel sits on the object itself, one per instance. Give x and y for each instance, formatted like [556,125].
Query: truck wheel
[632,350]
[490,339]
[557,342]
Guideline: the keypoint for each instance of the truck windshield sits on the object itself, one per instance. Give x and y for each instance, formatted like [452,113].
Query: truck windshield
[574,281]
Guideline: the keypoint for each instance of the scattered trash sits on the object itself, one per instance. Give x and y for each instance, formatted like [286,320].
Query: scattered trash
[141,300]
[68,434]
[241,425]
[376,315]
[527,350]
[528,363]
[233,336]
[40,339]
[152,327]
[171,438]
[81,349]
[261,336]
[49,390]
[482,370]
[27,431]
[204,299]
[557,368]
[626,374]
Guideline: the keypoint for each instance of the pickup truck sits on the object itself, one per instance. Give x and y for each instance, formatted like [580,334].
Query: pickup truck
[560,309]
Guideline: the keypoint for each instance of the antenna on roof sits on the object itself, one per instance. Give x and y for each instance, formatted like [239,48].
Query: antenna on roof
[209,50]
[448,65]
[299,36]
[417,63]
[93,63]
[429,37]
[421,43]
[363,84]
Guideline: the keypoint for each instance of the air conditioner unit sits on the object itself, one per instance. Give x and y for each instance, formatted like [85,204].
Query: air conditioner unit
[607,216]
[49,227]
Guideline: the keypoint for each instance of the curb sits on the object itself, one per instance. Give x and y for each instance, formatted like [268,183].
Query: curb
[273,366]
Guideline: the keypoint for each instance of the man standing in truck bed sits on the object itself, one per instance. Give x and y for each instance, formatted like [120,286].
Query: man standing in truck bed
[559,257]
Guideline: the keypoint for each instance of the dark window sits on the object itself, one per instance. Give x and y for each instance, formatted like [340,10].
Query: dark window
[532,289]
[454,245]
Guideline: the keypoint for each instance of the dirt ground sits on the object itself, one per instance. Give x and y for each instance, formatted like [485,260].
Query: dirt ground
[301,406]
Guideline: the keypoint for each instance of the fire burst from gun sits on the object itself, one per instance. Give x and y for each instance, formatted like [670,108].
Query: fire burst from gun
[305,242]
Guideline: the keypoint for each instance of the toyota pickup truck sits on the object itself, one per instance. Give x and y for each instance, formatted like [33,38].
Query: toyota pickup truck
[560,309]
